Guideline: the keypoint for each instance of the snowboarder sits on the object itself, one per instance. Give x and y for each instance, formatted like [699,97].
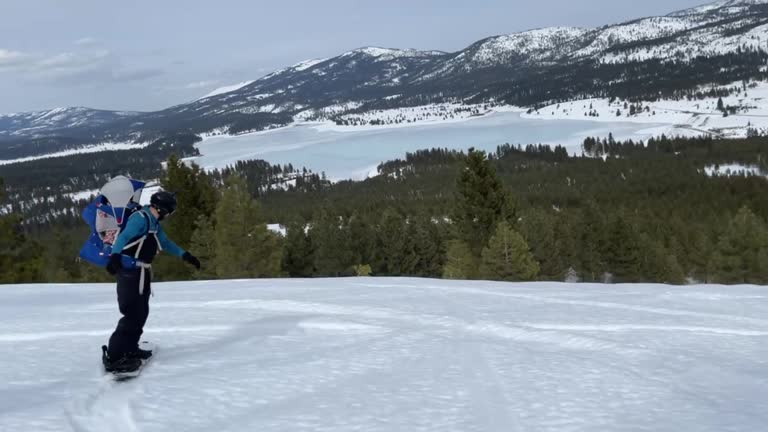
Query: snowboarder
[138,243]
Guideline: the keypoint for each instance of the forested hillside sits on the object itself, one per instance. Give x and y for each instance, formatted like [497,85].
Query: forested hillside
[621,212]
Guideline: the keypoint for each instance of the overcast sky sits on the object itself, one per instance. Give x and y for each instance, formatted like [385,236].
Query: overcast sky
[151,54]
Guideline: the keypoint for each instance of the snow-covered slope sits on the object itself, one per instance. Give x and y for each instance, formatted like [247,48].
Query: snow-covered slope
[227,89]
[392,355]
[717,5]
[749,105]
[97,148]
[531,46]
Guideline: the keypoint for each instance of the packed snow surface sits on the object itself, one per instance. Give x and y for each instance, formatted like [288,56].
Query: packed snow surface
[369,354]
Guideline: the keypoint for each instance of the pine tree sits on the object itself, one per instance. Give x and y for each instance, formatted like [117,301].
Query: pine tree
[699,256]
[538,229]
[244,247]
[657,263]
[624,251]
[566,235]
[741,254]
[428,246]
[204,244]
[60,260]
[692,248]
[20,258]
[330,239]
[592,243]
[508,257]
[196,196]
[481,202]
[297,252]
[460,263]
[670,270]
[396,249]
[362,232]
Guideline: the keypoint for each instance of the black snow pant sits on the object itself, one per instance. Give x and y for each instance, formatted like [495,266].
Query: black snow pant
[135,308]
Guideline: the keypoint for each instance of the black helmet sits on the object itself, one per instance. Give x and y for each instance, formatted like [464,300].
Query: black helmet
[164,202]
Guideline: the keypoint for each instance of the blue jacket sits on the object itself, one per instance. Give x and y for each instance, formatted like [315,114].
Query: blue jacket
[137,227]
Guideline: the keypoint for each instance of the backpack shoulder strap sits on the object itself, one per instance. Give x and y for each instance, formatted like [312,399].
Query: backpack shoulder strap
[154,233]
[140,240]
[144,214]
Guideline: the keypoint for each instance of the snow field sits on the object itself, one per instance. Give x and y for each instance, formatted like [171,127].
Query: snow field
[380,354]
[108,146]
[694,117]
[227,89]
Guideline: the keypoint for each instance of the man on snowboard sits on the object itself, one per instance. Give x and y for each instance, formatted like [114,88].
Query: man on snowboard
[141,240]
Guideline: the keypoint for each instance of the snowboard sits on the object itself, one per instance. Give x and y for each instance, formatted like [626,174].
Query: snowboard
[125,376]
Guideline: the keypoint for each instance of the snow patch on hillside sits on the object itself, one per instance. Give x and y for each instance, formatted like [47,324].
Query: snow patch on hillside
[224,133]
[734,169]
[533,45]
[227,89]
[421,114]
[306,64]
[693,117]
[703,42]
[323,114]
[646,29]
[444,113]
[82,195]
[277,229]
[108,146]
[150,189]
[388,54]
[710,7]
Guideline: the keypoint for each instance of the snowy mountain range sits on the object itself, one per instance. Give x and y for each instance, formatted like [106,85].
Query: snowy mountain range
[48,122]
[721,42]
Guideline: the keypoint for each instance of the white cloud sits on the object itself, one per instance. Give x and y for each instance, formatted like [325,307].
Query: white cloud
[10,59]
[201,84]
[8,54]
[86,41]
[86,66]
[42,65]
[138,74]
[73,67]
[70,60]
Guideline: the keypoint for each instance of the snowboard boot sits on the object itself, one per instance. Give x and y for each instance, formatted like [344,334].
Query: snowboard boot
[140,354]
[122,364]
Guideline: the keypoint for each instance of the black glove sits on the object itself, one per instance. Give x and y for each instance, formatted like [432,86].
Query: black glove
[188,257]
[115,264]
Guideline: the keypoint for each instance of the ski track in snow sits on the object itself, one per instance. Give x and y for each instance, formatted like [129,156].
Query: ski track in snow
[368,354]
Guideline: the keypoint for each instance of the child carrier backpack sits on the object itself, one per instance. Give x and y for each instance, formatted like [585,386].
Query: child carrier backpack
[107,216]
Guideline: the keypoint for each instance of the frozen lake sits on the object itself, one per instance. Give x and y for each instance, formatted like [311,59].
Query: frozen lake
[354,154]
